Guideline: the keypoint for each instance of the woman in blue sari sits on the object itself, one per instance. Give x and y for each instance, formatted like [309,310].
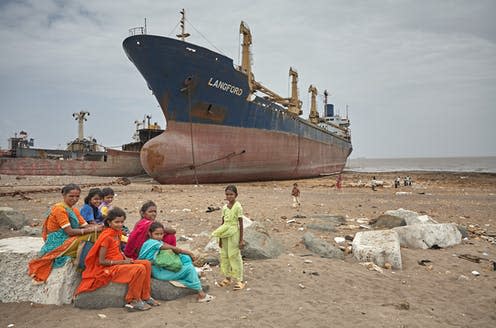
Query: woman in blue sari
[63,230]
[186,276]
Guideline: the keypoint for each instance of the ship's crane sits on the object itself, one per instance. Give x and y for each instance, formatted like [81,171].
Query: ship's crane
[294,103]
[314,114]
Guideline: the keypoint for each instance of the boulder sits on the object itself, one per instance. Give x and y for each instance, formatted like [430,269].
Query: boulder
[31,231]
[17,286]
[212,246]
[259,245]
[385,221]
[321,247]
[11,218]
[379,246]
[322,227]
[410,217]
[113,295]
[164,290]
[333,219]
[429,235]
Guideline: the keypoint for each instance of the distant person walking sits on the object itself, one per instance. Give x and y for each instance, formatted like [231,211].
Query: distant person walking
[295,192]
[374,184]
[339,182]
[397,182]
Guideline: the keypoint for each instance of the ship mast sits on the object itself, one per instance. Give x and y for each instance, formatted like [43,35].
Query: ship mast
[183,34]
[314,114]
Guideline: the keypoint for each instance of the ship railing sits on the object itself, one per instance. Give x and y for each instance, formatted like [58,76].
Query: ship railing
[137,30]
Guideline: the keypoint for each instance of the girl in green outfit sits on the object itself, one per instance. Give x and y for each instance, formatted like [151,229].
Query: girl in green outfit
[230,235]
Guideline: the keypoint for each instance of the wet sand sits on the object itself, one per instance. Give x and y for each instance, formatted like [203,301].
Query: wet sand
[287,292]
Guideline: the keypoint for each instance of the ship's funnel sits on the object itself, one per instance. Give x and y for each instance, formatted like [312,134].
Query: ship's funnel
[329,110]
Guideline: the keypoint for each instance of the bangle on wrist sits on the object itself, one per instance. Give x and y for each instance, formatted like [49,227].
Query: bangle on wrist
[111,262]
[82,233]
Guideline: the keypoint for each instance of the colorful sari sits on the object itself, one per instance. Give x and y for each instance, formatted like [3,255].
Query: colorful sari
[136,275]
[59,247]
[139,235]
[186,276]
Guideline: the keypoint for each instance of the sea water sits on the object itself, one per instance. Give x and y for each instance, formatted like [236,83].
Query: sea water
[448,164]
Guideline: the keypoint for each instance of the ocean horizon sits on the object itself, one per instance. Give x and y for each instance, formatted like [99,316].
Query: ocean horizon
[481,164]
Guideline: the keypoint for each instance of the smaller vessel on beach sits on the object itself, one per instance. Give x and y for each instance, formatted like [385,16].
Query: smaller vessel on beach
[83,156]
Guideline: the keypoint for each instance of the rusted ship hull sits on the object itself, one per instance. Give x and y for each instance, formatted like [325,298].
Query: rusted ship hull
[217,130]
[116,163]
[225,154]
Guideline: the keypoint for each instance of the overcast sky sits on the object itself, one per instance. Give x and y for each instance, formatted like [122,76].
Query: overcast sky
[419,77]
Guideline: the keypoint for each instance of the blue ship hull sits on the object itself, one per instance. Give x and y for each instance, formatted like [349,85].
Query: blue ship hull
[214,133]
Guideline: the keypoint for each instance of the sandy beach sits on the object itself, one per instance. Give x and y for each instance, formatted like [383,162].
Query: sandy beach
[291,291]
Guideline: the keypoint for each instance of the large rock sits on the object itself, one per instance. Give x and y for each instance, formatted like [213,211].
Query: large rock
[385,221]
[380,247]
[429,235]
[11,218]
[410,217]
[333,219]
[259,245]
[16,285]
[329,227]
[321,247]
[164,290]
[113,295]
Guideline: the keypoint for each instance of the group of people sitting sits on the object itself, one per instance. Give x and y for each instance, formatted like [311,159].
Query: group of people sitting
[131,259]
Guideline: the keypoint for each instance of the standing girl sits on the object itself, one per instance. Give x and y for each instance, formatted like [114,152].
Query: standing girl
[187,276]
[140,232]
[90,211]
[230,235]
[105,263]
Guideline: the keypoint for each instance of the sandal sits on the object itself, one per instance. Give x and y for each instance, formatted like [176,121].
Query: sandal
[224,283]
[206,299]
[152,302]
[134,306]
[239,285]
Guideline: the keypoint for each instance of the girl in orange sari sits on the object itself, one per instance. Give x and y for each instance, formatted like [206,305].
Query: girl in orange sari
[105,263]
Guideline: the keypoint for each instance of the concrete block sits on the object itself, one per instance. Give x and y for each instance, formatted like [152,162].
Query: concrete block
[428,235]
[380,247]
[17,286]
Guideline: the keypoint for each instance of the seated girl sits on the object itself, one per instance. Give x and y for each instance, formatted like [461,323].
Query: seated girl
[90,211]
[63,230]
[188,276]
[105,263]
[140,232]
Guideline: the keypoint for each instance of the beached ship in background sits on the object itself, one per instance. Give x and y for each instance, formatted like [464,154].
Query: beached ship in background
[83,156]
[223,125]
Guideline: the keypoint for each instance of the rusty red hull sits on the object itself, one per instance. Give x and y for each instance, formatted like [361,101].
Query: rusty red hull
[118,163]
[202,153]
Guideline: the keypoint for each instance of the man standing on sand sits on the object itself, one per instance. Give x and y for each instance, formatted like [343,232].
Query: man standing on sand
[374,183]
[296,195]
[339,182]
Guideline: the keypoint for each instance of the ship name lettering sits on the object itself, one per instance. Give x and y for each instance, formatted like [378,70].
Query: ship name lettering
[224,86]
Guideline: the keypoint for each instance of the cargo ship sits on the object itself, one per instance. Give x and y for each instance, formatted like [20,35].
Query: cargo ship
[223,125]
[83,156]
